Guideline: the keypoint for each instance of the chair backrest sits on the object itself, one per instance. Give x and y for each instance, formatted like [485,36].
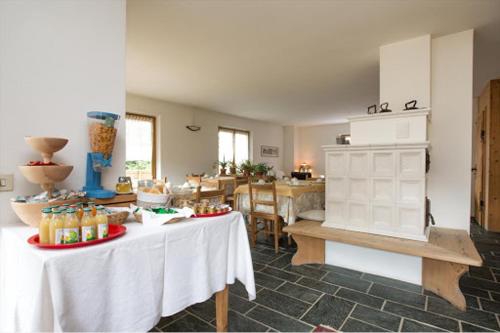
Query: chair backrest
[239,181]
[196,180]
[254,189]
[219,194]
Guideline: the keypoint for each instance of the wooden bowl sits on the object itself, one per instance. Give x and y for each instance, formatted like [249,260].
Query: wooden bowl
[30,213]
[47,174]
[46,146]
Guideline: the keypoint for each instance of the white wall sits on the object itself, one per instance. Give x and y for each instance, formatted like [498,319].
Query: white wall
[290,148]
[183,151]
[405,72]
[58,60]
[449,182]
[310,140]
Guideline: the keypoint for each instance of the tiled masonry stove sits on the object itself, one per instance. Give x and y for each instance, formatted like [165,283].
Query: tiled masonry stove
[377,184]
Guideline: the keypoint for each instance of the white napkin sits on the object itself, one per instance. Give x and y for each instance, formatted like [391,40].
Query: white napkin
[150,219]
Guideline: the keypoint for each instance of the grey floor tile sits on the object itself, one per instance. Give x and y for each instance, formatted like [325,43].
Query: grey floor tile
[155,329]
[481,272]
[466,327]
[306,271]
[347,281]
[278,321]
[281,274]
[318,285]
[475,292]
[282,303]
[239,304]
[239,289]
[383,319]
[282,261]
[472,301]
[398,295]
[329,310]
[299,292]
[189,323]
[479,283]
[362,298]
[267,281]
[240,323]
[422,316]
[495,296]
[337,269]
[490,306]
[261,258]
[393,283]
[413,326]
[164,321]
[353,325]
[257,267]
[472,316]
[205,310]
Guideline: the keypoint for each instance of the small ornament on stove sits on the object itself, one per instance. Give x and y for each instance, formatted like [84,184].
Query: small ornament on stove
[372,109]
[384,107]
[411,105]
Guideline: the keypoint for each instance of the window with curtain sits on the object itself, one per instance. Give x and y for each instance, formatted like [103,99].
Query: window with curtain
[140,157]
[234,145]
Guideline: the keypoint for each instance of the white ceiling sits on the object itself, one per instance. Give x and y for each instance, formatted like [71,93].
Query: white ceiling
[289,62]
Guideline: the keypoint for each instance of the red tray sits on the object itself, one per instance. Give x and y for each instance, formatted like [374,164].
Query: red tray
[212,215]
[114,231]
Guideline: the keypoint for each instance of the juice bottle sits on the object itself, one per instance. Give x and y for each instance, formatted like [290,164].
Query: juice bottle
[43,229]
[79,210]
[56,228]
[101,222]
[88,225]
[71,227]
[91,205]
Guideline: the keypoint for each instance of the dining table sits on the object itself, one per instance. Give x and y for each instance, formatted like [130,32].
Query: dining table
[293,198]
[126,284]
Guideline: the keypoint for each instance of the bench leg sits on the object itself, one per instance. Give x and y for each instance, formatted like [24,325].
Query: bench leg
[441,277]
[310,250]
[221,305]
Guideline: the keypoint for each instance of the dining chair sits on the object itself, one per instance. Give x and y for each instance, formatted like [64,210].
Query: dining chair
[230,199]
[195,180]
[211,195]
[273,223]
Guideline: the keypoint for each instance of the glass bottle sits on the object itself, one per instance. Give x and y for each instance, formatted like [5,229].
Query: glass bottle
[71,227]
[44,226]
[56,228]
[101,222]
[88,228]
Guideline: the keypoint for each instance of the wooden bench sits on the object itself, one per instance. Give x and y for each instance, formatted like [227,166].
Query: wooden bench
[445,257]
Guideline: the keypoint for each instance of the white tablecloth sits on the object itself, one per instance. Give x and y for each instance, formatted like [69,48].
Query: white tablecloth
[123,285]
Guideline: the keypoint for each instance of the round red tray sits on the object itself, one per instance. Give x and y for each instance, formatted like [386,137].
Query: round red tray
[114,231]
[212,215]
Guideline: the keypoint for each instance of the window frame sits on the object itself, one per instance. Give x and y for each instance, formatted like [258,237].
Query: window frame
[234,131]
[153,121]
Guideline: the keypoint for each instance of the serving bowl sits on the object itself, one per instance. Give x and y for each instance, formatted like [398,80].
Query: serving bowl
[45,145]
[30,213]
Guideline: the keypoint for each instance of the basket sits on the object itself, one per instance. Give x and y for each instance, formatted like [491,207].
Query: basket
[118,217]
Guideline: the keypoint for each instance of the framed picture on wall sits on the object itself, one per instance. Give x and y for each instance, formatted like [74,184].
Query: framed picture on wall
[269,151]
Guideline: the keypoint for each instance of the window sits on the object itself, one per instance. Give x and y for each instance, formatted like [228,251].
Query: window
[140,159]
[234,145]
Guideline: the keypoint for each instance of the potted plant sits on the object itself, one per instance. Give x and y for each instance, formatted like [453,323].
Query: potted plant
[261,169]
[232,168]
[246,168]
[223,166]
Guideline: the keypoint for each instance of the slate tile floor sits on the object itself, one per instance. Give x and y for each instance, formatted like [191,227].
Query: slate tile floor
[299,298]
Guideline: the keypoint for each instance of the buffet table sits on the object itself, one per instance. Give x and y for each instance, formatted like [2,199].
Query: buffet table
[127,284]
[292,199]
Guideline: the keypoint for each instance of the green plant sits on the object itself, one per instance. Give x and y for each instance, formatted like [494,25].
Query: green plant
[223,164]
[137,165]
[246,167]
[262,168]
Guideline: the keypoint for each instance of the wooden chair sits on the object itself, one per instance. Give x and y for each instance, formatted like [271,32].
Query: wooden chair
[219,194]
[196,180]
[273,223]
[230,199]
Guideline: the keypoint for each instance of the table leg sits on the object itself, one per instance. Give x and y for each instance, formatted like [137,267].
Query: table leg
[441,277]
[221,304]
[310,250]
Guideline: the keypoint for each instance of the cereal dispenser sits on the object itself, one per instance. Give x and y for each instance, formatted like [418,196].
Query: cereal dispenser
[102,134]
